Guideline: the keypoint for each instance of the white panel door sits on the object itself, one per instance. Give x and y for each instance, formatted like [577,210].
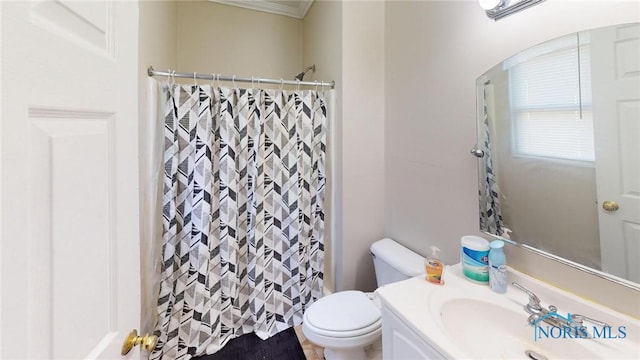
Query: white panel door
[616,113]
[69,246]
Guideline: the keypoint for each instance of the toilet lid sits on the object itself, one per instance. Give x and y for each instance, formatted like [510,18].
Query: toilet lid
[343,311]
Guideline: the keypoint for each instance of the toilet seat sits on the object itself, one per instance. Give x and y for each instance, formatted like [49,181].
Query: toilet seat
[343,314]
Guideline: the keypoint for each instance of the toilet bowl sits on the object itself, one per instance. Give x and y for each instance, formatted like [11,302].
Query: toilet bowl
[345,322]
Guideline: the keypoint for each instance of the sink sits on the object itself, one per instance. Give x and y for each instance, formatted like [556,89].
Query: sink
[490,331]
[465,320]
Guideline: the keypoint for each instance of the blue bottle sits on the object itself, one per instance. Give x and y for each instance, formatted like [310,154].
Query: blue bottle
[497,267]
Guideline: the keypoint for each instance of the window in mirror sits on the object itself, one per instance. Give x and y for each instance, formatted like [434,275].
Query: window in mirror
[550,87]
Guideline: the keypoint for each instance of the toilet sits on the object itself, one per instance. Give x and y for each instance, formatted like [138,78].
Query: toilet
[347,321]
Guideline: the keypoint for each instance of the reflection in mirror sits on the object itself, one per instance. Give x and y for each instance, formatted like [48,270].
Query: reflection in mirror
[559,125]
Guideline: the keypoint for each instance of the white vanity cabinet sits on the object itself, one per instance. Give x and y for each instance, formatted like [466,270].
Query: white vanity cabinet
[400,342]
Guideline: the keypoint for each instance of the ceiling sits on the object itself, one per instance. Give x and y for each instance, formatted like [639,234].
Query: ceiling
[292,8]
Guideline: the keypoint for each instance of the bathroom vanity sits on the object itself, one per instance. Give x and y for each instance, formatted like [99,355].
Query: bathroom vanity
[461,319]
[401,341]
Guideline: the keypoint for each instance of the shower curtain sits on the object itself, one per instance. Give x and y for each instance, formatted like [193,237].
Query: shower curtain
[490,214]
[243,214]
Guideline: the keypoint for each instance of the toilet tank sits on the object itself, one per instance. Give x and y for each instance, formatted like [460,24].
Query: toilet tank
[394,262]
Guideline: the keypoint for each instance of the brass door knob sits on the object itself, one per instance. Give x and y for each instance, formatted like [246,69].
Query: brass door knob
[148,342]
[610,205]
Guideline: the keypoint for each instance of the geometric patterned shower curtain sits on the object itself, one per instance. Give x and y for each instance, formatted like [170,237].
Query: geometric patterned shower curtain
[490,214]
[243,214]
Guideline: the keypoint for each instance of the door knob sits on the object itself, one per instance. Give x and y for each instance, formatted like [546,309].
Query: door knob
[147,342]
[610,205]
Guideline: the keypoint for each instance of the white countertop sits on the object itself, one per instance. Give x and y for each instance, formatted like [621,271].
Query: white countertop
[417,302]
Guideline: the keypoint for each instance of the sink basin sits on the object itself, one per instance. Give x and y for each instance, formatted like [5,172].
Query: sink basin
[490,331]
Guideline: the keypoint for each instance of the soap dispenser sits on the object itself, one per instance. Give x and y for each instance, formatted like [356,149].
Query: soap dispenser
[434,267]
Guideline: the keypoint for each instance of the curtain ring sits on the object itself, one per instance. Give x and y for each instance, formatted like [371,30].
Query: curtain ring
[233,81]
[253,86]
[195,82]
[297,85]
[213,80]
[316,85]
[218,79]
[172,77]
[281,84]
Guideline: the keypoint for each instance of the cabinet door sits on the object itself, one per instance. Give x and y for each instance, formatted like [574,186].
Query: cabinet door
[401,342]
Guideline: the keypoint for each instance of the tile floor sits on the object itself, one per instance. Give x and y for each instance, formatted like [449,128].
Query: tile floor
[314,352]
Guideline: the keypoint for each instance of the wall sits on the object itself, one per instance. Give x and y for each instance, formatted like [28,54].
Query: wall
[434,52]
[322,46]
[157,47]
[216,38]
[346,42]
[363,140]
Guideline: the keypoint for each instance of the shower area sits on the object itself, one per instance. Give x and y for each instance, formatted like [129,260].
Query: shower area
[235,226]
[345,42]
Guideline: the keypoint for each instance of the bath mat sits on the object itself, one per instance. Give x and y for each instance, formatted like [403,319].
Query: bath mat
[281,346]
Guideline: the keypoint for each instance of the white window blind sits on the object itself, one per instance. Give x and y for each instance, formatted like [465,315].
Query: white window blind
[550,89]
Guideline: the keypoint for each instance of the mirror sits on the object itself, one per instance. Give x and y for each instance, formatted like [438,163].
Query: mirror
[559,150]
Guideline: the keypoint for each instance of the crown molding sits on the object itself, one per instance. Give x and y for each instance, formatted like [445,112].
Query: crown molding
[303,7]
[297,9]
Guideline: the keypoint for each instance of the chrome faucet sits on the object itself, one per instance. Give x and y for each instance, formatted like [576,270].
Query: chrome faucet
[577,320]
[538,312]
[533,307]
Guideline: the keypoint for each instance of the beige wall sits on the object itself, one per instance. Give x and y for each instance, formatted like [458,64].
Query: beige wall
[363,140]
[157,47]
[435,50]
[346,42]
[322,46]
[222,39]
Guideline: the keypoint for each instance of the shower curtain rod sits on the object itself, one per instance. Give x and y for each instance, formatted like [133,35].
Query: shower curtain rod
[152,72]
